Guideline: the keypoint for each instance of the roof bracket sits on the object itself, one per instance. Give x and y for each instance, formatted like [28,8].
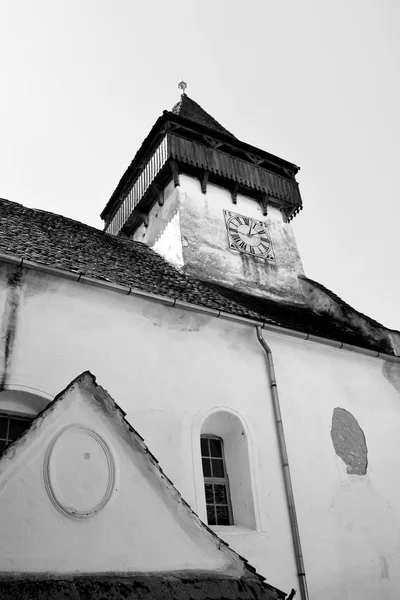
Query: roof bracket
[145,219]
[234,193]
[254,159]
[204,181]
[211,142]
[158,193]
[264,201]
[174,171]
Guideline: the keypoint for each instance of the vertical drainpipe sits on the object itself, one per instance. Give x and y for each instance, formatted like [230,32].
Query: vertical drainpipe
[286,470]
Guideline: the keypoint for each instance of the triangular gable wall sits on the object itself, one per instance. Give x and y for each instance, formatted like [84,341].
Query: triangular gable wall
[79,492]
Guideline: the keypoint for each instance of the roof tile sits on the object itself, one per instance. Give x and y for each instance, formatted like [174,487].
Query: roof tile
[167,586]
[189,109]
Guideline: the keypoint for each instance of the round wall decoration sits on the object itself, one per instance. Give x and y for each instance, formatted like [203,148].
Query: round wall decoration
[79,472]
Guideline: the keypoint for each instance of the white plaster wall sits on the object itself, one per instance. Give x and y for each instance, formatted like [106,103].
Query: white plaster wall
[169,369]
[143,527]
[169,244]
[349,524]
[206,250]
[189,231]
[159,216]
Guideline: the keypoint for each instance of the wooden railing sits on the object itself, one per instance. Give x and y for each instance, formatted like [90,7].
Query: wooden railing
[139,188]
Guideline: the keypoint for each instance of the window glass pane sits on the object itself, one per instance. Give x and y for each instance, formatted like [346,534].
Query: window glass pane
[206,467]
[216,484]
[204,447]
[216,447]
[3,427]
[220,494]
[211,515]
[222,515]
[3,444]
[17,426]
[217,467]
[209,493]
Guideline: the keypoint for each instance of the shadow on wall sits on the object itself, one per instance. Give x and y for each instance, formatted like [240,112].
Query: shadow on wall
[22,403]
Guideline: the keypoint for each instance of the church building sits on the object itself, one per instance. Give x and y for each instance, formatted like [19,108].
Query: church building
[247,443]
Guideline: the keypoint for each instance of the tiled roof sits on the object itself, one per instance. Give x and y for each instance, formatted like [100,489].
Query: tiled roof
[189,109]
[57,241]
[167,586]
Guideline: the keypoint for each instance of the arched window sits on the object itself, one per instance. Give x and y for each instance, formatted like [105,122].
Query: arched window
[216,485]
[17,410]
[11,427]
[226,471]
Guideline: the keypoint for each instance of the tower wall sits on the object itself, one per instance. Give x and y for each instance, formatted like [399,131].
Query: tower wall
[189,230]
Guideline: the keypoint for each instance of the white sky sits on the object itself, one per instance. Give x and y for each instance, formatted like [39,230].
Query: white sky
[316,82]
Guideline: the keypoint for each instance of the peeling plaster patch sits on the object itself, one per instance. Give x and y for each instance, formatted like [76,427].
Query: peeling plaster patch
[391,371]
[9,320]
[349,441]
[384,574]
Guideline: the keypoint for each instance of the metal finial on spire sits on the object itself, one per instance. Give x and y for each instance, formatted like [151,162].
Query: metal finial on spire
[182,85]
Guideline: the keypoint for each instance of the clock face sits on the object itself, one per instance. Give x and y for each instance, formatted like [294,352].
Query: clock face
[248,235]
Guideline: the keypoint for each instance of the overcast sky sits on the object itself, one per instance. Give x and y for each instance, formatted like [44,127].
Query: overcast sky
[316,82]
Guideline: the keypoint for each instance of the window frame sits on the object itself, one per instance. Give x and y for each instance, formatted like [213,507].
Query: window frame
[217,480]
[13,416]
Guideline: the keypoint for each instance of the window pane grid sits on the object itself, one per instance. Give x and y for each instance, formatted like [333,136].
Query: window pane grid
[11,428]
[219,511]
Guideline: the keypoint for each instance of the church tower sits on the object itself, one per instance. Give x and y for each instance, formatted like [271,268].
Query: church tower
[215,207]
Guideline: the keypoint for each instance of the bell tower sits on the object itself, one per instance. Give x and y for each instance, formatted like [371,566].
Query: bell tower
[215,207]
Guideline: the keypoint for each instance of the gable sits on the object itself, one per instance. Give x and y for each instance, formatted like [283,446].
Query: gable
[80,492]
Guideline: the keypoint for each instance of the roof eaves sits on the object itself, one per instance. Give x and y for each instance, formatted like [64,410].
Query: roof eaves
[346,306]
[157,130]
[234,142]
[148,142]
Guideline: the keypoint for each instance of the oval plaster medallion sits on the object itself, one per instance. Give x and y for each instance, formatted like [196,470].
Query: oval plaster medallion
[79,472]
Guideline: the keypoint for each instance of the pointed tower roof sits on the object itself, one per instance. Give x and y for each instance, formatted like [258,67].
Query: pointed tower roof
[189,109]
[188,140]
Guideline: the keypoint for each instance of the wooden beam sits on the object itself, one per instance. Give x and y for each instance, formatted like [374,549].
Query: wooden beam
[254,159]
[234,193]
[211,142]
[204,181]
[174,171]
[264,201]
[145,218]
[158,193]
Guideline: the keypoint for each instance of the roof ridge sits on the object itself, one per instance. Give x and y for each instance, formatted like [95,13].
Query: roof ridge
[344,304]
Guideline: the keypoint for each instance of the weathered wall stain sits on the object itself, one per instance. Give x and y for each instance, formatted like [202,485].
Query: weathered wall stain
[9,322]
[384,574]
[349,441]
[391,371]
